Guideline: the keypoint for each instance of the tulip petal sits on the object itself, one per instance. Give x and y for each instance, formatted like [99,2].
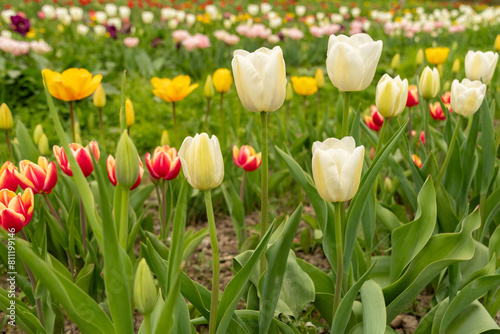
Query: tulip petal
[351,173]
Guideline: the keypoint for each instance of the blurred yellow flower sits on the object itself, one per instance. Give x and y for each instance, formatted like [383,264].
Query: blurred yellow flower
[497,43]
[72,84]
[31,33]
[436,56]
[173,90]
[304,85]
[222,80]
[320,78]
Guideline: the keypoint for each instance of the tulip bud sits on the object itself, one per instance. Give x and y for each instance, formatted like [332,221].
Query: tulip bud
[127,166]
[6,121]
[395,61]
[129,111]
[144,288]
[289,92]
[467,96]
[497,43]
[456,66]
[43,145]
[78,138]
[417,160]
[165,139]
[37,133]
[222,80]
[446,86]
[480,65]
[209,90]
[391,95]
[99,97]
[419,58]
[320,78]
[429,83]
[388,184]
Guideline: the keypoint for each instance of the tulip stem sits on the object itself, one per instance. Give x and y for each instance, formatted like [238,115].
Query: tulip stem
[318,116]
[264,184]
[72,120]
[428,139]
[84,226]
[165,220]
[215,260]
[409,126]
[9,148]
[175,123]
[39,308]
[448,154]
[304,108]
[345,116]
[380,142]
[121,213]
[53,210]
[101,128]
[339,206]
[206,115]
[242,197]
[221,116]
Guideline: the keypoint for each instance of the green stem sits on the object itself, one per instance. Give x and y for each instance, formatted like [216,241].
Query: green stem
[318,116]
[380,142]
[175,124]
[304,108]
[221,119]
[215,260]
[101,127]
[448,154]
[147,323]
[84,226]
[165,219]
[121,214]
[72,120]
[264,184]
[339,250]
[345,116]
[482,203]
[409,126]
[428,139]
[9,148]
[206,115]
[242,197]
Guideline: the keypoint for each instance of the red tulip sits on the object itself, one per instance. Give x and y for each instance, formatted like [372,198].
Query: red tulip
[437,111]
[15,210]
[82,156]
[41,177]
[417,160]
[422,137]
[246,158]
[377,117]
[110,164]
[8,178]
[446,98]
[371,124]
[165,164]
[412,96]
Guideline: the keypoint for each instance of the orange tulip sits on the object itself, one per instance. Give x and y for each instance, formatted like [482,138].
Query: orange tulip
[72,84]
[110,165]
[8,178]
[15,210]
[246,158]
[165,164]
[417,160]
[173,90]
[82,156]
[41,177]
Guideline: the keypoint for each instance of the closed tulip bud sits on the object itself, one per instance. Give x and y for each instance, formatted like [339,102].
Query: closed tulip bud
[497,43]
[260,78]
[289,92]
[6,121]
[222,80]
[320,78]
[429,83]
[377,117]
[388,184]
[111,168]
[417,160]
[43,145]
[209,90]
[127,168]
[422,137]
[82,155]
[412,96]
[165,139]
[419,58]
[129,113]
[100,97]
[37,133]
[437,111]
[337,166]
[391,95]
[395,61]
[41,177]
[351,61]
[246,158]
[480,65]
[16,211]
[456,66]
[467,96]
[201,161]
[144,288]
[304,85]
[164,164]
[8,176]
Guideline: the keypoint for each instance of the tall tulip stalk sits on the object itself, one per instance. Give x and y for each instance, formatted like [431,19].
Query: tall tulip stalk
[222,81]
[260,80]
[429,85]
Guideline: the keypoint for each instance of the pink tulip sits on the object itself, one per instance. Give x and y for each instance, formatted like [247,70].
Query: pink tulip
[131,42]
[180,35]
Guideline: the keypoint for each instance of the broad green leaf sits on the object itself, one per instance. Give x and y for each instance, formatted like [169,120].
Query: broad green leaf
[248,316]
[469,159]
[374,315]
[192,241]
[491,211]
[405,244]
[26,145]
[359,329]
[25,318]
[447,217]
[387,217]
[85,276]
[487,140]
[140,195]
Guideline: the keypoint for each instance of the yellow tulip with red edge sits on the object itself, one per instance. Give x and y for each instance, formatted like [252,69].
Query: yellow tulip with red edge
[246,158]
[72,84]
[41,177]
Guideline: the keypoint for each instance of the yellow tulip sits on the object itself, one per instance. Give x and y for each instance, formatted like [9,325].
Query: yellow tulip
[129,111]
[304,85]
[208,90]
[100,97]
[436,56]
[456,66]
[320,78]
[6,121]
[222,80]
[173,90]
[497,43]
[72,84]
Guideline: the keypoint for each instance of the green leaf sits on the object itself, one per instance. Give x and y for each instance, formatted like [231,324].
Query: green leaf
[192,241]
[236,211]
[85,276]
[25,318]
[359,329]
[26,145]
[373,308]
[487,141]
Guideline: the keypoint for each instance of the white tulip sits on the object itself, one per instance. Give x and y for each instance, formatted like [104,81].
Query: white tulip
[49,11]
[480,65]
[343,10]
[429,83]
[110,9]
[100,17]
[337,166]
[6,34]
[227,24]
[61,11]
[265,7]
[356,12]
[147,17]
[180,15]
[116,22]
[253,9]
[351,61]
[65,19]
[168,13]
[391,96]
[124,12]
[260,78]
[76,13]
[100,30]
[300,10]
[467,96]
[202,162]
[82,29]
[172,24]
[190,19]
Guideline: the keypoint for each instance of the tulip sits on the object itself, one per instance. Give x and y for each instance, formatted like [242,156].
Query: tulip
[395,62]
[320,78]
[422,137]
[289,92]
[480,65]
[419,58]
[208,89]
[412,96]
[6,120]
[82,156]
[446,98]
[246,158]
[43,145]
[437,111]
[124,12]
[429,83]
[351,61]
[128,171]
[15,210]
[147,17]
[391,95]
[100,97]
[82,29]
[497,43]
[129,113]
[173,90]
[222,80]
[337,166]
[436,56]
[41,177]
[300,10]
[110,165]
[260,78]
[304,85]
[37,133]
[72,84]
[164,164]
[8,176]
[201,161]
[370,123]
[456,66]
[417,160]
[467,96]
[100,30]
[144,289]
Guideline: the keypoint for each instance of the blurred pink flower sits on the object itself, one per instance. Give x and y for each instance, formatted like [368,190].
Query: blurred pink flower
[316,31]
[131,42]
[190,43]
[356,27]
[231,40]
[456,28]
[293,33]
[273,39]
[40,47]
[221,35]
[180,35]
[203,41]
